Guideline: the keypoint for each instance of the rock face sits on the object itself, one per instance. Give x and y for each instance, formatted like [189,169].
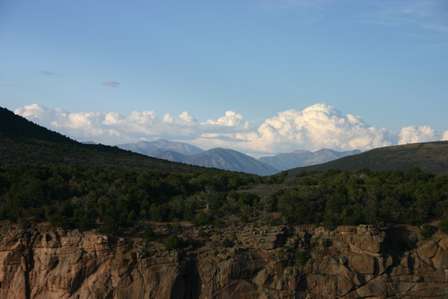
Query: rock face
[241,262]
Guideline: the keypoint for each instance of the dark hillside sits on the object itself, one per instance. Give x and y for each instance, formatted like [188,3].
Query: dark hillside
[23,142]
[18,128]
[430,157]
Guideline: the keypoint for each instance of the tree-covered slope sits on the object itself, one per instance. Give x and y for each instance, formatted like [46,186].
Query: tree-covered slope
[23,142]
[46,177]
[430,157]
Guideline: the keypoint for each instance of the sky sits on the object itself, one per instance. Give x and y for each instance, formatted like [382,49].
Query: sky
[261,76]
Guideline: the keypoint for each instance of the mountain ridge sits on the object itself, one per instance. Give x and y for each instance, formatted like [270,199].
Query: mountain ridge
[430,157]
[299,158]
[24,142]
[151,148]
[229,159]
[220,158]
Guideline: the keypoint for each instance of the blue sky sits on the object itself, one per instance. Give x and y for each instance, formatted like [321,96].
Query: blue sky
[386,61]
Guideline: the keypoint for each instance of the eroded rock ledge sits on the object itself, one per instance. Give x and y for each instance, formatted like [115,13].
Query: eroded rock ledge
[234,262]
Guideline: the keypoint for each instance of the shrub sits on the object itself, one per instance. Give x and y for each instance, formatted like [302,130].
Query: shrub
[427,231]
[174,243]
[327,243]
[228,243]
[203,219]
[444,225]
[148,234]
[301,258]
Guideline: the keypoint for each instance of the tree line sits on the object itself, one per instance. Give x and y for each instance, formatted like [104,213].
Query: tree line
[116,200]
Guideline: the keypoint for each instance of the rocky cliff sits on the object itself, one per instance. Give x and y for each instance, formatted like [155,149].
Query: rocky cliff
[240,262]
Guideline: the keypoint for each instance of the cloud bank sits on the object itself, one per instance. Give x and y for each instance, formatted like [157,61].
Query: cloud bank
[445,136]
[416,134]
[314,127]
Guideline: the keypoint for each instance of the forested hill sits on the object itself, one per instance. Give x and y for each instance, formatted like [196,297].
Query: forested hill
[430,157]
[46,177]
[18,128]
[23,142]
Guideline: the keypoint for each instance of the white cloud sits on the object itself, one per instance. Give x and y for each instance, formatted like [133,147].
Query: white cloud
[230,119]
[115,128]
[445,136]
[315,127]
[32,112]
[187,118]
[112,118]
[168,118]
[415,134]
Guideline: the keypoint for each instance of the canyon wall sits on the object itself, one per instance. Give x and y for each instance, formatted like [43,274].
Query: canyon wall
[235,262]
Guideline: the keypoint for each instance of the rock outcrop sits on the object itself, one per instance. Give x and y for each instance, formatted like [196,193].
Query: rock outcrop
[234,262]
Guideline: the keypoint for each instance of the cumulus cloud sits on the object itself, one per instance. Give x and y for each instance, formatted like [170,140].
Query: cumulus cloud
[111,83]
[415,134]
[314,127]
[445,136]
[116,128]
[187,118]
[230,119]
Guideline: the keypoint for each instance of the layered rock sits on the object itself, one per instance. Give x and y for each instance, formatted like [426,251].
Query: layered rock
[234,262]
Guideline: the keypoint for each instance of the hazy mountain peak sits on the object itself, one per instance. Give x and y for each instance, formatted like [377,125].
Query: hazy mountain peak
[302,158]
[222,158]
[224,150]
[229,159]
[154,148]
[300,151]
[325,150]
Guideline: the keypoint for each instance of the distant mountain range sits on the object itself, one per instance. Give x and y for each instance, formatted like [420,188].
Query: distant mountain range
[228,159]
[25,143]
[303,158]
[220,158]
[158,147]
